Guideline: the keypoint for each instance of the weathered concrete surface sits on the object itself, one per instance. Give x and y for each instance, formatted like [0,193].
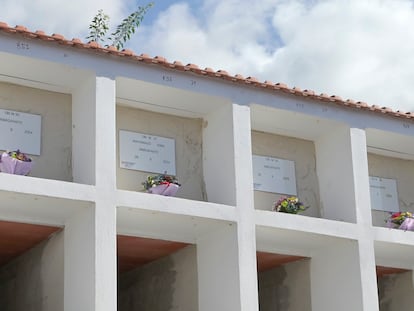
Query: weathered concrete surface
[286,288]
[34,280]
[396,292]
[168,284]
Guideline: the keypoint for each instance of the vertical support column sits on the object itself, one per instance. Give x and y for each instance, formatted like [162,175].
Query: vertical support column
[90,235]
[368,274]
[83,131]
[105,175]
[105,147]
[342,167]
[335,278]
[90,260]
[228,177]
[245,208]
[218,156]
[218,271]
[93,131]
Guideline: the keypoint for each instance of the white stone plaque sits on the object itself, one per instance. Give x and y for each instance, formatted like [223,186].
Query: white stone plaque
[383,193]
[147,153]
[19,130]
[274,175]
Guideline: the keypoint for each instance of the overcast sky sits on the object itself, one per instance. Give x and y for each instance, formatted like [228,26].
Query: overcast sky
[357,49]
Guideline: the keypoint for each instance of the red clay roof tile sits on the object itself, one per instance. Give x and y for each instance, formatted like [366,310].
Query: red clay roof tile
[222,74]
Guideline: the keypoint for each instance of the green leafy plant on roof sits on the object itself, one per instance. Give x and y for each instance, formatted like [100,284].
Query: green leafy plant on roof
[99,27]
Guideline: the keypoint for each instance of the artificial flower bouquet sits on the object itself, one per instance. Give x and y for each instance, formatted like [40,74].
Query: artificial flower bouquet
[290,205]
[15,162]
[162,184]
[401,220]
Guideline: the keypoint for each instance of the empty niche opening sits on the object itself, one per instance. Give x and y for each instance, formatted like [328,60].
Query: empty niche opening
[395,288]
[31,266]
[283,282]
[156,274]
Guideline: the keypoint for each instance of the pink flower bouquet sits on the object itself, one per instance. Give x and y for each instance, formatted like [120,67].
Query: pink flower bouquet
[401,220]
[162,184]
[15,162]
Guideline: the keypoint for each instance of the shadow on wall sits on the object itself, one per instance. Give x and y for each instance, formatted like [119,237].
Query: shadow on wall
[273,293]
[34,280]
[148,288]
[396,292]
[285,288]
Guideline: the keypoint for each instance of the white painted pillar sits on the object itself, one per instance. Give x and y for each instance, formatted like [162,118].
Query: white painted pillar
[342,168]
[218,156]
[336,279]
[218,271]
[368,274]
[93,131]
[228,177]
[83,131]
[105,148]
[90,235]
[245,208]
[79,262]
[90,260]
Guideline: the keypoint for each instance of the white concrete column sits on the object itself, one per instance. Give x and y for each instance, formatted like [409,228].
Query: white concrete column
[218,271]
[105,147]
[218,156]
[246,228]
[228,177]
[336,278]
[93,131]
[368,274]
[90,275]
[90,235]
[83,131]
[342,167]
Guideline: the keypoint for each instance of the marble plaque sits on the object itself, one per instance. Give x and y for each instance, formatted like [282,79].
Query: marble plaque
[383,193]
[274,175]
[21,131]
[148,153]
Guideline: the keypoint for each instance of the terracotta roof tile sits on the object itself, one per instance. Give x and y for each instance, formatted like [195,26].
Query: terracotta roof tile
[220,74]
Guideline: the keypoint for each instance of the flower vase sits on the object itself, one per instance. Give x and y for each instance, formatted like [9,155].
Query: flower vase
[165,189]
[408,224]
[14,166]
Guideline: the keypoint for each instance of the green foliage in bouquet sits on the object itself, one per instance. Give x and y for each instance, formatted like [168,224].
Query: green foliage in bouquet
[398,218]
[161,179]
[290,205]
[19,156]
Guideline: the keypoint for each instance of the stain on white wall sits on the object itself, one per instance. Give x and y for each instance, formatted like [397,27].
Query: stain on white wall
[285,288]
[167,284]
[395,292]
[34,280]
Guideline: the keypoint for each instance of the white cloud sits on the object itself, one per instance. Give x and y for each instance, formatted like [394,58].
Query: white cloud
[69,18]
[355,49]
